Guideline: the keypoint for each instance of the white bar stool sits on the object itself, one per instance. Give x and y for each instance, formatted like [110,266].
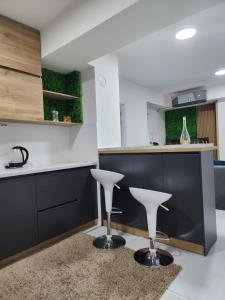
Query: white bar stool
[108,179]
[151,257]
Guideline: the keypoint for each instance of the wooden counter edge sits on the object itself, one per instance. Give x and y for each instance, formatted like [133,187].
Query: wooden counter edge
[156,150]
[196,248]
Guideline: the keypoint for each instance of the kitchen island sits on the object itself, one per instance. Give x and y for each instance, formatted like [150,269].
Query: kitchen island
[185,171]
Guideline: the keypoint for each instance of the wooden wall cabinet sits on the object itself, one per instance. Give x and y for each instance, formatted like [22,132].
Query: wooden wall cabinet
[20,96]
[20,47]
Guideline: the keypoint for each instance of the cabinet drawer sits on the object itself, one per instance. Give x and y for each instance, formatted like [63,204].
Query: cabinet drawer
[20,47]
[60,187]
[54,221]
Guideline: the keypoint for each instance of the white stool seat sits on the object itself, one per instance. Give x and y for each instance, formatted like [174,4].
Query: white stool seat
[151,200]
[106,177]
[108,180]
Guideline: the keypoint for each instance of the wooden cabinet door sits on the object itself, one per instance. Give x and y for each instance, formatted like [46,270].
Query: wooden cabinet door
[18,216]
[20,47]
[21,96]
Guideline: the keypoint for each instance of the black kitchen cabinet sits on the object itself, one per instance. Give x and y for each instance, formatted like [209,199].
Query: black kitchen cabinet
[58,187]
[34,208]
[18,217]
[88,198]
[182,178]
[54,221]
[187,176]
[137,175]
[65,199]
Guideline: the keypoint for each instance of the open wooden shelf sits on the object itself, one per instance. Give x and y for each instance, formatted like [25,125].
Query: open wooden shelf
[41,122]
[58,96]
[186,106]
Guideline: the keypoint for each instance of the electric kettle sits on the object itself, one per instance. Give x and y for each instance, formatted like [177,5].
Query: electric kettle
[19,157]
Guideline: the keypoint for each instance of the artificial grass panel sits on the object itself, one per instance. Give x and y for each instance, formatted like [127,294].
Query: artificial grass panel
[174,122]
[67,84]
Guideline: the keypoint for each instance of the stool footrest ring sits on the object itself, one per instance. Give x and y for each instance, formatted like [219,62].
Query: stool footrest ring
[161,236]
[116,210]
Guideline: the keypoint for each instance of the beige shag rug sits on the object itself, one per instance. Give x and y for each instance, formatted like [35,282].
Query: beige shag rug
[73,269]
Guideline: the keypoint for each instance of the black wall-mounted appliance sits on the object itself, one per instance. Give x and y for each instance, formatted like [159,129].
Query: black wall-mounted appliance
[189,97]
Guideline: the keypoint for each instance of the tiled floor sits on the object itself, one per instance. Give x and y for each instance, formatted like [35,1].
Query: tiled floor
[201,278]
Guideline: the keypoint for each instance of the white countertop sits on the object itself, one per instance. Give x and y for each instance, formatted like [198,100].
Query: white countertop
[28,169]
[163,148]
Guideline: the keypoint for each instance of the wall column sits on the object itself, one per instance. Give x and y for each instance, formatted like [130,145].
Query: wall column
[107,101]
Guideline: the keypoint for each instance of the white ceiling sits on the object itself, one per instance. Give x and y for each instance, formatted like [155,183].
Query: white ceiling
[34,13]
[161,62]
[156,59]
[131,24]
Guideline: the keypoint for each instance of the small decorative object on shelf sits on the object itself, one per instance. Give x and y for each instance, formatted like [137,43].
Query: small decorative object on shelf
[185,137]
[55,116]
[67,119]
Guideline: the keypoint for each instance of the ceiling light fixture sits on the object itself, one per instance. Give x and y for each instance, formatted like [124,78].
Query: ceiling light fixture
[220,72]
[186,33]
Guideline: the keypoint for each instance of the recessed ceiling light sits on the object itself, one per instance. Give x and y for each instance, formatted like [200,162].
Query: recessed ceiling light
[186,33]
[220,72]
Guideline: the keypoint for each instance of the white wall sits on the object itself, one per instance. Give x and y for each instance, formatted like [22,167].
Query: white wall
[46,144]
[135,98]
[216,92]
[53,144]
[83,140]
[107,102]
[156,124]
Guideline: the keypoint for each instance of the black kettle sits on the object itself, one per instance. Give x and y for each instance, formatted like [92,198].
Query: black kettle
[19,157]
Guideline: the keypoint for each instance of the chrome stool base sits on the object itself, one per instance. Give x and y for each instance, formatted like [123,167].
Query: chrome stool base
[108,243]
[162,258]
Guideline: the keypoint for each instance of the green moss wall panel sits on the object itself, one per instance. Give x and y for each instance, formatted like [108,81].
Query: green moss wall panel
[53,81]
[70,84]
[174,122]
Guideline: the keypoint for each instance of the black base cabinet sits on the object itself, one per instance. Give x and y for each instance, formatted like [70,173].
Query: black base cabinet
[65,199]
[188,177]
[54,221]
[37,207]
[18,216]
